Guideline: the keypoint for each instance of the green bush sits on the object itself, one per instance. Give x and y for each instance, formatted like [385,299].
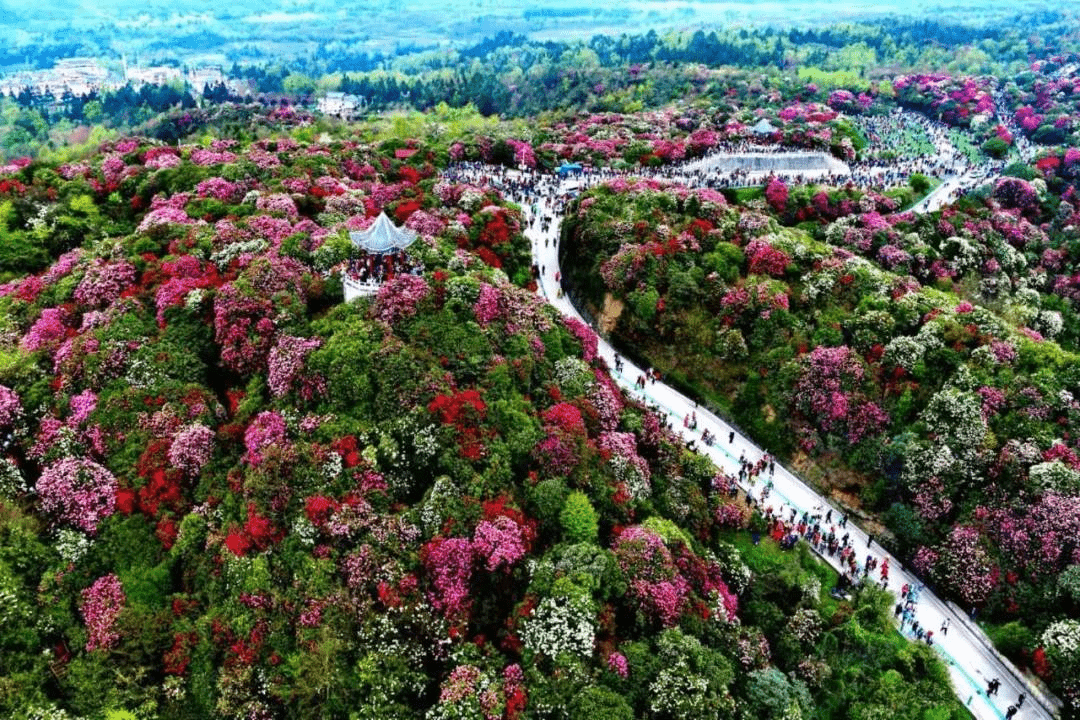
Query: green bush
[596,702]
[578,518]
[1011,639]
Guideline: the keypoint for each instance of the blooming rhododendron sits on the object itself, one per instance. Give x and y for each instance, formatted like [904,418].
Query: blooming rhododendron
[47,331]
[286,367]
[78,492]
[191,448]
[765,259]
[585,335]
[265,431]
[487,307]
[398,298]
[450,563]
[81,406]
[565,417]
[499,542]
[10,407]
[617,664]
[101,604]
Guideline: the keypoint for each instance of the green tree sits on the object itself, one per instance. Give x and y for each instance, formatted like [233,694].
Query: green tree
[578,518]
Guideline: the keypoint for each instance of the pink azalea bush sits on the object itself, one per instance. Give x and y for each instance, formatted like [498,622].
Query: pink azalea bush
[500,543]
[78,492]
[191,448]
[101,604]
[398,299]
[267,430]
[286,367]
[81,406]
[449,561]
[828,392]
[10,407]
[47,331]
[103,283]
[655,582]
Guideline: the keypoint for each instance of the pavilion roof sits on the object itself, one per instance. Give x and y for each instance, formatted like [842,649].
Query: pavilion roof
[763,127]
[383,236]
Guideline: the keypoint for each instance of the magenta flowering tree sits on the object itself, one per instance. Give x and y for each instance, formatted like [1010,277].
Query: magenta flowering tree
[278,203]
[449,561]
[585,335]
[10,407]
[606,399]
[425,223]
[191,448]
[828,392]
[488,307]
[286,368]
[776,194]
[78,492]
[221,189]
[500,543]
[243,329]
[1016,193]
[399,298]
[267,430]
[565,417]
[186,273]
[167,211]
[103,283]
[47,331]
[655,582]
[268,290]
[81,406]
[963,566]
[1040,537]
[764,259]
[559,451]
[101,604]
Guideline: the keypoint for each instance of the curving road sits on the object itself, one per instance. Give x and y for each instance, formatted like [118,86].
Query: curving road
[971,660]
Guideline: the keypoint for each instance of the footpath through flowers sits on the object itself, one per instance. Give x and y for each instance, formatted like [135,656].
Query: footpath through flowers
[988,684]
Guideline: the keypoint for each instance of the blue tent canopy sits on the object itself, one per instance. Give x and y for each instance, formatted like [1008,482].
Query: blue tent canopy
[383,236]
[567,168]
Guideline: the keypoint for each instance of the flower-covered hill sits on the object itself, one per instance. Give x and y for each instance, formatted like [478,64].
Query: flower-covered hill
[225,494]
[962,423]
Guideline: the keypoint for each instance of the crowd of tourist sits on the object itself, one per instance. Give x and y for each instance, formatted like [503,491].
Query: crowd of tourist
[376,268]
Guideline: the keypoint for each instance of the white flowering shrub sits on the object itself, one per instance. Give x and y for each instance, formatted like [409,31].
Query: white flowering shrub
[923,461]
[956,417]
[230,252]
[736,573]
[12,482]
[692,681]
[1068,583]
[574,376]
[49,713]
[560,625]
[434,509]
[1063,637]
[13,610]
[907,351]
[72,544]
[1049,323]
[965,254]
[1054,477]
[304,531]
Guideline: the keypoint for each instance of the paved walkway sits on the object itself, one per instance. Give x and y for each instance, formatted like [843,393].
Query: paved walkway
[972,662]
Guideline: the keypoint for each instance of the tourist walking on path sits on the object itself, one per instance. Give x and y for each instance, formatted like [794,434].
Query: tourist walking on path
[967,655]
